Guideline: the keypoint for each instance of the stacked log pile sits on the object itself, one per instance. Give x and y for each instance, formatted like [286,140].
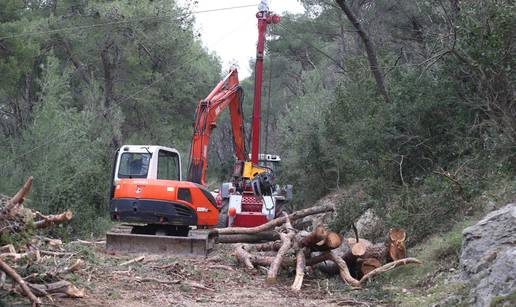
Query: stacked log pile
[16,220]
[355,260]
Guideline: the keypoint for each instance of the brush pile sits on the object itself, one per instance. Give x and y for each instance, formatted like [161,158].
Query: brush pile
[33,265]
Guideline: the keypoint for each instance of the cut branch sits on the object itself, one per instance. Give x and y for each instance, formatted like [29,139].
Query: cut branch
[300,270]
[19,197]
[50,220]
[17,278]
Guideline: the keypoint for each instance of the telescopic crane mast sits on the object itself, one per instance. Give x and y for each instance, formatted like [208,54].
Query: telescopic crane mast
[264,17]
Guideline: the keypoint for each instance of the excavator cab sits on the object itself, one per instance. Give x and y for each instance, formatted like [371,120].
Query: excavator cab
[147,188]
[162,212]
[147,162]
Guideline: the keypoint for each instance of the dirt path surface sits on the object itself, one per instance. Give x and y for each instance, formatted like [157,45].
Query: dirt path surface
[187,281]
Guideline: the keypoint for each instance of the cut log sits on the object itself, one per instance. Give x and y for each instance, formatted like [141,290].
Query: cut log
[248,238]
[369,264]
[276,222]
[396,244]
[333,240]
[316,237]
[397,234]
[50,220]
[358,249]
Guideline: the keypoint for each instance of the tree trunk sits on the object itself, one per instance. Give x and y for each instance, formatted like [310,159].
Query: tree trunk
[276,222]
[369,47]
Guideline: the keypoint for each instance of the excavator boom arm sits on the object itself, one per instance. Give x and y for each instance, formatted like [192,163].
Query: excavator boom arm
[227,93]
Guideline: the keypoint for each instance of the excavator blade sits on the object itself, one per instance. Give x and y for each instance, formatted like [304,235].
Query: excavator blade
[197,243]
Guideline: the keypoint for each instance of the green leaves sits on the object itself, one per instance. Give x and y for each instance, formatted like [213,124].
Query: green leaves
[75,85]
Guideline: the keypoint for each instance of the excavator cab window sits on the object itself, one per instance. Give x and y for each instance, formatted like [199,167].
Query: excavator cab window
[168,165]
[134,165]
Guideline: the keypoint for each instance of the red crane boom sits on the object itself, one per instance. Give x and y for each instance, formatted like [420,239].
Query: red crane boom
[264,18]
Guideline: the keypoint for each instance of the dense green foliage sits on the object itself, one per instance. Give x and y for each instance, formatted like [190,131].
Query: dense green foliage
[83,77]
[447,132]
[96,74]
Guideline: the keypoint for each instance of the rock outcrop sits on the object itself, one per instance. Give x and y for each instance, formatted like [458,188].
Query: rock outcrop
[370,225]
[488,259]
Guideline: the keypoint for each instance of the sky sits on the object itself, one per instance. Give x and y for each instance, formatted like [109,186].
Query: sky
[232,34]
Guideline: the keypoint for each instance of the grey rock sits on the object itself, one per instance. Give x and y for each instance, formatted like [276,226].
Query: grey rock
[488,257]
[370,225]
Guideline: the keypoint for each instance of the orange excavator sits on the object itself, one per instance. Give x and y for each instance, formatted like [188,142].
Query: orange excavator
[169,214]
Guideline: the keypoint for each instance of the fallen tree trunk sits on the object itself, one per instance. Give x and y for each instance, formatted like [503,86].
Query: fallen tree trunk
[276,222]
[248,238]
[355,260]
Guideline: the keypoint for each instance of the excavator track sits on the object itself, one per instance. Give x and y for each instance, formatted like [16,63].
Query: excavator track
[199,242]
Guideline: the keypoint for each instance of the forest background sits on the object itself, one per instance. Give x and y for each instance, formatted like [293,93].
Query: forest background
[419,136]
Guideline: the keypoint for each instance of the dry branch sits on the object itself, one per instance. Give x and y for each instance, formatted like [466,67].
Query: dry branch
[137,259]
[17,278]
[387,267]
[300,270]
[158,281]
[286,243]
[61,286]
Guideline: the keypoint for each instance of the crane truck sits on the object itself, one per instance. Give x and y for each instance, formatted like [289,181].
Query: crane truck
[172,215]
